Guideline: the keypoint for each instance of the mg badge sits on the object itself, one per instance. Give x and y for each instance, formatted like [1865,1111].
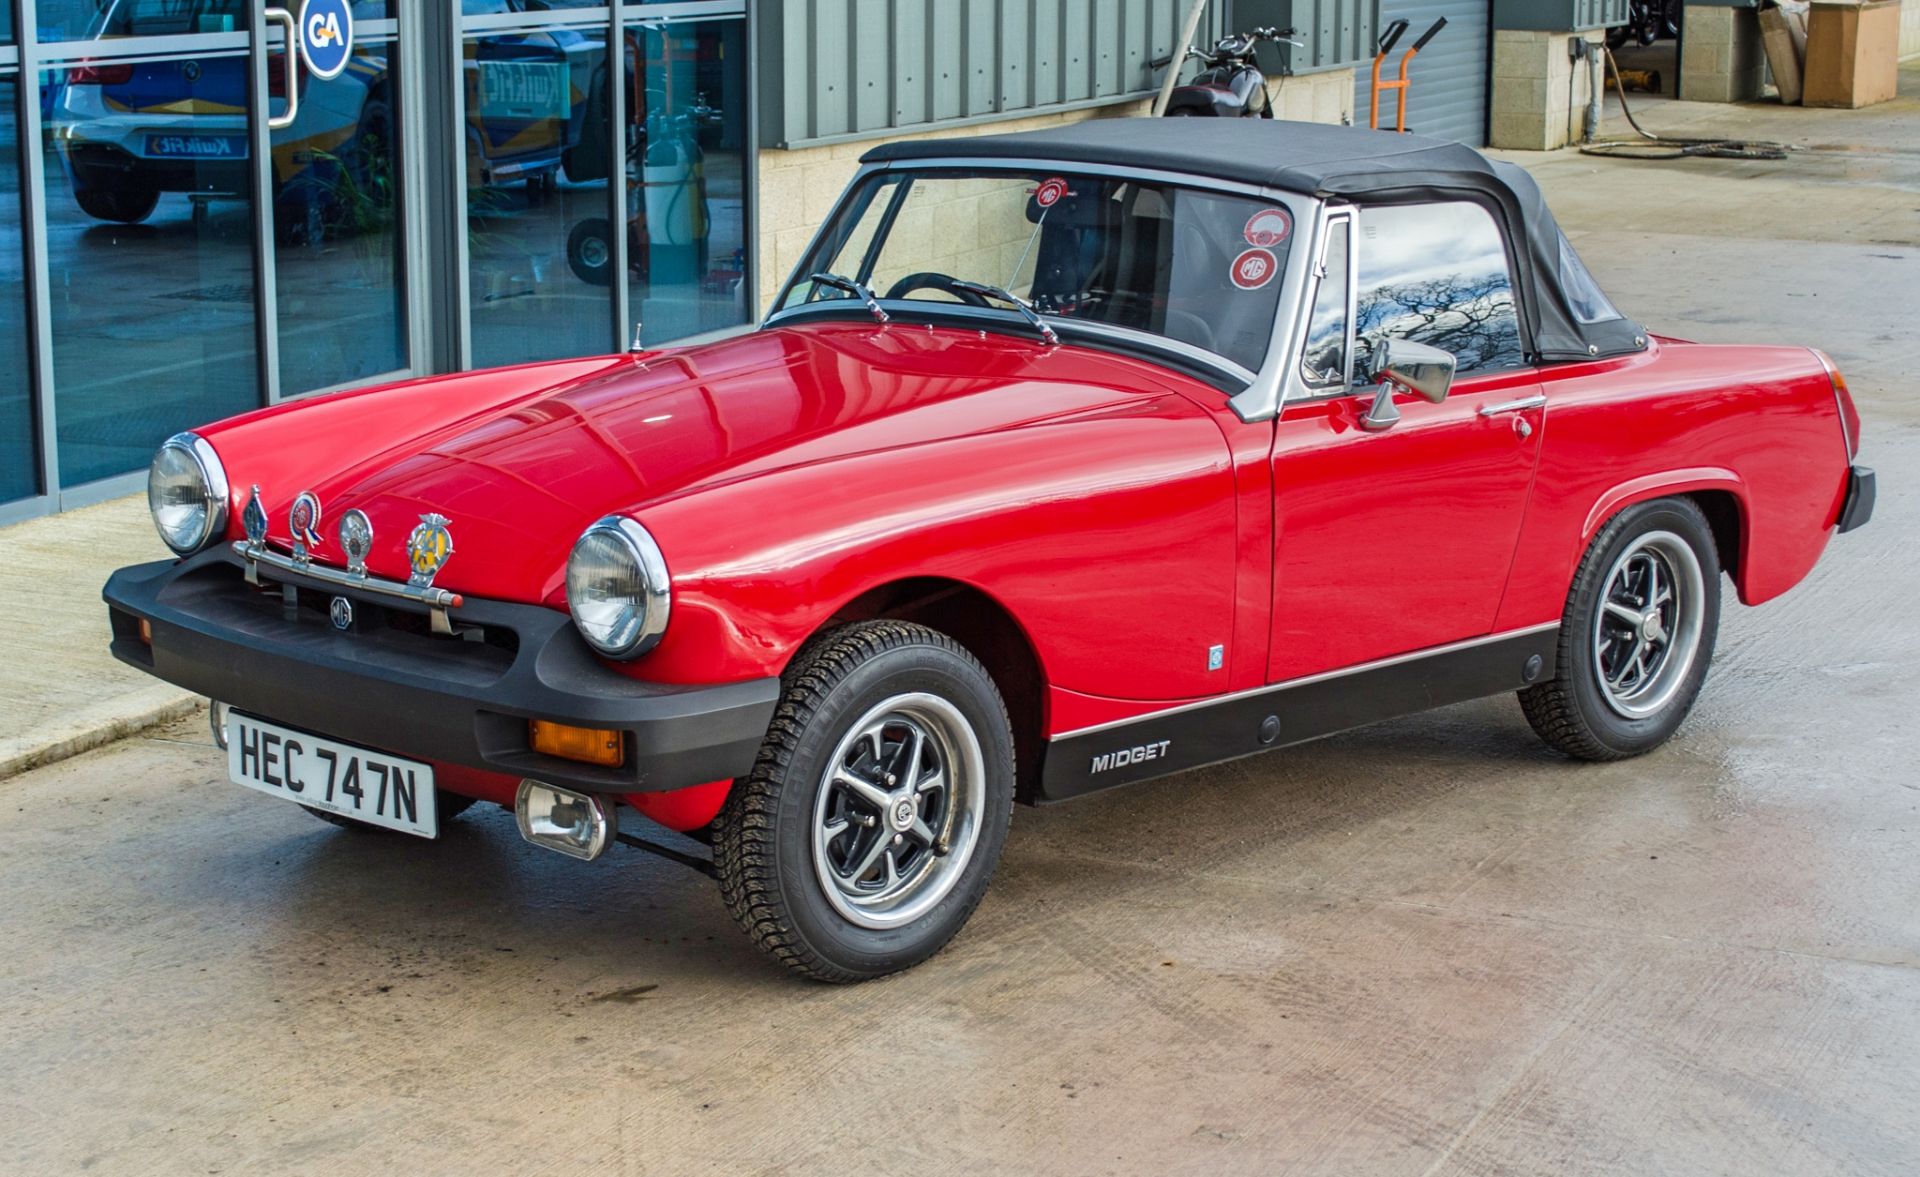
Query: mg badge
[428,549]
[303,520]
[356,540]
[341,613]
[254,519]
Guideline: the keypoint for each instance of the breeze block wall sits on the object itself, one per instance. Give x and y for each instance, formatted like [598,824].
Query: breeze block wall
[1721,57]
[1540,93]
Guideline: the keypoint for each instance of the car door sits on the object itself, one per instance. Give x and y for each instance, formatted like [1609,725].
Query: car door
[1400,540]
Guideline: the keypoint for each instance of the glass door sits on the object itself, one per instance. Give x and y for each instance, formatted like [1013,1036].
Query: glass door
[538,89]
[149,225]
[334,179]
[19,435]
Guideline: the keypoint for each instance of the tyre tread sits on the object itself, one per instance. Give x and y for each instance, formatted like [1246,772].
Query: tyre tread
[745,832]
[1552,708]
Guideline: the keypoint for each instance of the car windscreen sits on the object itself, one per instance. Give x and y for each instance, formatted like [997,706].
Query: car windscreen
[1189,264]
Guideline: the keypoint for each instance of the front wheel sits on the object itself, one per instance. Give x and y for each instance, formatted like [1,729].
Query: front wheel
[1636,637]
[876,813]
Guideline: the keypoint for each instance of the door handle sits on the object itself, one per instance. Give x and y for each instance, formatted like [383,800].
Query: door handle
[285,119]
[1513,406]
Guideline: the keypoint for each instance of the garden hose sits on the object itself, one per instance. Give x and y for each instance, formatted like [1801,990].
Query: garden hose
[1651,146]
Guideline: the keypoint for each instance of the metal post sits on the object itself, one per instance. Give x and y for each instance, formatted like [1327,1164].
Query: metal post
[454,177]
[626,333]
[33,231]
[416,286]
[750,195]
[1172,79]
[266,294]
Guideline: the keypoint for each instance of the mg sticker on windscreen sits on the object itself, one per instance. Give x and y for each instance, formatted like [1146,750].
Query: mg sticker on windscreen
[1254,269]
[1050,191]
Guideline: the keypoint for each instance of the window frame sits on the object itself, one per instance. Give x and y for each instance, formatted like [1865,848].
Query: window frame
[1348,216]
[1297,389]
[1522,308]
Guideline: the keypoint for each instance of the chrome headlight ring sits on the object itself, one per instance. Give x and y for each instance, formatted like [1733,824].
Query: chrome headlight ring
[618,589]
[187,493]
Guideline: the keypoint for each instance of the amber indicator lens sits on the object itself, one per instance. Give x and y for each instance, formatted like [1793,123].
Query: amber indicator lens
[146,631]
[589,745]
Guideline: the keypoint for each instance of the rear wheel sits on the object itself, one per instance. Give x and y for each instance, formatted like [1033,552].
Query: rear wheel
[1636,637]
[868,829]
[129,206]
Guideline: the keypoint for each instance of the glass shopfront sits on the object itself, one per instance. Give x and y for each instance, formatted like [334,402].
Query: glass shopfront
[19,441]
[196,223]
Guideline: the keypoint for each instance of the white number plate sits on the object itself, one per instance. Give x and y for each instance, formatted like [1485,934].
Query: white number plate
[360,783]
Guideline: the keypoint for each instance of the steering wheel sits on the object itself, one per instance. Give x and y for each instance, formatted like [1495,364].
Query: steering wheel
[934,280]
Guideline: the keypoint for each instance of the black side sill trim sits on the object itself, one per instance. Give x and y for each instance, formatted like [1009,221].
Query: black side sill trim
[1241,725]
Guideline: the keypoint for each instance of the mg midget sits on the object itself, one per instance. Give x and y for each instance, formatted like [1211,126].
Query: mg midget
[1064,459]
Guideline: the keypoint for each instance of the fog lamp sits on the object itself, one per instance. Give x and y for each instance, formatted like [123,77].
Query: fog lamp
[589,745]
[576,824]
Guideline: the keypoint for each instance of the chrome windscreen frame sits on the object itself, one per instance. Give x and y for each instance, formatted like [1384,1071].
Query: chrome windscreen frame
[1293,384]
[1260,396]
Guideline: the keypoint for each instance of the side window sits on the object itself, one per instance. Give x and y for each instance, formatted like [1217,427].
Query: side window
[1437,274]
[1323,361]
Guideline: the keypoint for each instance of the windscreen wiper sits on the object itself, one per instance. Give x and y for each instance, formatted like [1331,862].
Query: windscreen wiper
[856,288]
[1015,301]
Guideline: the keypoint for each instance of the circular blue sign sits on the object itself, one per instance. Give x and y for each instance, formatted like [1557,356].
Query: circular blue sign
[326,36]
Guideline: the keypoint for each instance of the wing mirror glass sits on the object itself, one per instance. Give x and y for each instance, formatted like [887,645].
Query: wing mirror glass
[1401,363]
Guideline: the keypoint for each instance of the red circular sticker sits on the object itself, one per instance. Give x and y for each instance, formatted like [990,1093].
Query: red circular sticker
[1254,269]
[1049,192]
[1268,227]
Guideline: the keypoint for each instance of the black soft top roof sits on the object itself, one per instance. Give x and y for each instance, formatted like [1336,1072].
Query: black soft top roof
[1568,317]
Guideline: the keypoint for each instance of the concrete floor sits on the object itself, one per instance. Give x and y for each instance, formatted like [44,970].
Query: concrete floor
[1429,947]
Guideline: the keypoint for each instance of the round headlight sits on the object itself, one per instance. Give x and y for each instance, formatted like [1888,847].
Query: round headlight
[187,493]
[617,588]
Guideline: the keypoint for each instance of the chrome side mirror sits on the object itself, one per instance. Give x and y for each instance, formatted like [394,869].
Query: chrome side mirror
[1402,363]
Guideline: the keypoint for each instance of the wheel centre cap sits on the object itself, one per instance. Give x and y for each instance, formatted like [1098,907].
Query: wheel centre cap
[902,814]
[1650,628]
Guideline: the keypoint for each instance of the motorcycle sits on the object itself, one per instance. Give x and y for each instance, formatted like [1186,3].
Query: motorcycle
[1647,22]
[1230,83]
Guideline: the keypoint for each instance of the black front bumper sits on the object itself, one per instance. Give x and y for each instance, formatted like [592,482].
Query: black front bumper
[388,682]
[1858,506]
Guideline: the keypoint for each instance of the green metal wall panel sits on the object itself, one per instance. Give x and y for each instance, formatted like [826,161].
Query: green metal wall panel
[834,70]
[1334,33]
[1558,16]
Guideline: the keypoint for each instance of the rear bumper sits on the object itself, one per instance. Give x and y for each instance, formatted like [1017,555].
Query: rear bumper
[388,683]
[1857,508]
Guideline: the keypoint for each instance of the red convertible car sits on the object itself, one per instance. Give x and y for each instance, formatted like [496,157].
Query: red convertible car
[1065,459]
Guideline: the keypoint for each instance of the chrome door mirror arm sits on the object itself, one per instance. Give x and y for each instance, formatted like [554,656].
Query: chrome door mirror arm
[1403,363]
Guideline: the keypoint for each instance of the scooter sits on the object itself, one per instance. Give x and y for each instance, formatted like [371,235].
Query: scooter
[1230,83]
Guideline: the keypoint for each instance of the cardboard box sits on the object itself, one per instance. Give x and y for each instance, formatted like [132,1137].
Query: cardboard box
[1852,53]
[1776,36]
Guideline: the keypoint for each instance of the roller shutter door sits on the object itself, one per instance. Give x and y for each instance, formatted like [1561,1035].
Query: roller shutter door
[1449,91]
